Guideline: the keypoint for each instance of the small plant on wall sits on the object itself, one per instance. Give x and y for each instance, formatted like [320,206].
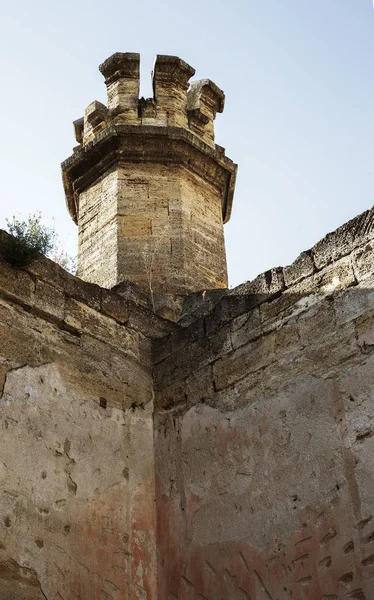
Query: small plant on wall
[29,239]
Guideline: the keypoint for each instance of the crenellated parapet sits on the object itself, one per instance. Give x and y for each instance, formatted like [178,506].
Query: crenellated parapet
[204,100]
[175,102]
[170,80]
[122,77]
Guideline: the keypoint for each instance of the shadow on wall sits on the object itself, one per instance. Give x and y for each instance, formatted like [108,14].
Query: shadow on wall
[265,434]
[264,450]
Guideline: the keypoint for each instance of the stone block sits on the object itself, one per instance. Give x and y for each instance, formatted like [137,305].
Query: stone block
[205,99]
[287,339]
[88,293]
[186,335]
[49,300]
[17,284]
[301,268]
[363,261]
[186,359]
[172,396]
[161,349]
[114,305]
[84,319]
[147,322]
[264,287]
[81,317]
[199,304]
[292,302]
[352,303]
[300,297]
[229,307]
[338,276]
[329,350]
[242,393]
[341,242]
[169,307]
[135,226]
[17,346]
[316,322]
[247,359]
[199,385]
[246,328]
[130,379]
[48,270]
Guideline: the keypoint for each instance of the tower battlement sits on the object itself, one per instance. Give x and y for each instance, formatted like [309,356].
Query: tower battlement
[175,103]
[148,179]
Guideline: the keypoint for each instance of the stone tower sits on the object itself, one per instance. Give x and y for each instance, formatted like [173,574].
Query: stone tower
[147,186]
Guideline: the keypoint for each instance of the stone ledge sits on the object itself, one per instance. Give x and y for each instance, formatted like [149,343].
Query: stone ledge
[344,240]
[46,289]
[334,246]
[306,275]
[149,143]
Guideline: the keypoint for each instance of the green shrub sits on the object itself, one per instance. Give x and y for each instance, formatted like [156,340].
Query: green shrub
[28,241]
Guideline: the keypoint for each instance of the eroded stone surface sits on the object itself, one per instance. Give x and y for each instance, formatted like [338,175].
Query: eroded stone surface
[76,463]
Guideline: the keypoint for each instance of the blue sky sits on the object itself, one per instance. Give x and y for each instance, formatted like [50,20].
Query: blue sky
[298,78]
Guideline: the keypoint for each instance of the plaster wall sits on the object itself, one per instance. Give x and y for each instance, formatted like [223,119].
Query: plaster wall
[264,436]
[77,510]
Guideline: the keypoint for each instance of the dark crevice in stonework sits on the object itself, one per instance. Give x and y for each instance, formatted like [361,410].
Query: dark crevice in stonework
[262,585]
[361,524]
[14,573]
[362,436]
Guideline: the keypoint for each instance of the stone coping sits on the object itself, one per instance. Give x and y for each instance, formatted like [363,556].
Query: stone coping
[341,259]
[48,290]
[308,267]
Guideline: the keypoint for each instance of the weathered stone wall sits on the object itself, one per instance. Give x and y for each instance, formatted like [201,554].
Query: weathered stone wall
[156,225]
[229,455]
[77,511]
[98,232]
[264,434]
